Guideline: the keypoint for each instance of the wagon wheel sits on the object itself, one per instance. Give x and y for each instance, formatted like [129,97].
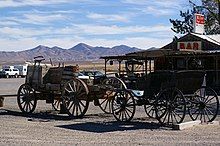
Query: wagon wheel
[204,105]
[123,106]
[150,109]
[170,107]
[105,101]
[56,104]
[26,99]
[74,98]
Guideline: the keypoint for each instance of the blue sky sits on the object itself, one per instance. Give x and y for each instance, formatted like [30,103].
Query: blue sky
[25,24]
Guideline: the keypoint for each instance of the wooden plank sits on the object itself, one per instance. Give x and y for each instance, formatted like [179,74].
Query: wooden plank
[190,124]
[186,125]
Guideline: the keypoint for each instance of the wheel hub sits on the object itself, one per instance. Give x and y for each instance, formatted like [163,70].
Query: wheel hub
[170,107]
[122,103]
[26,98]
[202,105]
[123,106]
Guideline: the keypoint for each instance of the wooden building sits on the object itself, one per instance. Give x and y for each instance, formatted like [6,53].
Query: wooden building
[190,52]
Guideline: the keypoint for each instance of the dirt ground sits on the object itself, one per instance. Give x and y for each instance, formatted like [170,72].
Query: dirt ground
[47,127]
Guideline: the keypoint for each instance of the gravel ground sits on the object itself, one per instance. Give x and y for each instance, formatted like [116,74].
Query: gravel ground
[47,127]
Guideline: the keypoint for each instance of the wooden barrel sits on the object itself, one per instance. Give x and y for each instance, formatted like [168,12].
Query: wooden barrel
[69,72]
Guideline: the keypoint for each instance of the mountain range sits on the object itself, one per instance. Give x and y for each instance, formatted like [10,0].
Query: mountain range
[80,52]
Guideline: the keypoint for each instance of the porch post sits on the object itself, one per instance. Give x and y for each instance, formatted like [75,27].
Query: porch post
[119,68]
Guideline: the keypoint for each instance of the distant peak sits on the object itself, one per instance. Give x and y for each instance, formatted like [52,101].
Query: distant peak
[56,47]
[122,46]
[41,46]
[84,45]
[81,46]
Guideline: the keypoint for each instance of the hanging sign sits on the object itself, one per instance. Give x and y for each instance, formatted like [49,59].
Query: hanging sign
[194,45]
[198,23]
[200,19]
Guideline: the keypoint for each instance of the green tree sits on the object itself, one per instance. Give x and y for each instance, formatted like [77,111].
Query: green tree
[209,8]
[211,11]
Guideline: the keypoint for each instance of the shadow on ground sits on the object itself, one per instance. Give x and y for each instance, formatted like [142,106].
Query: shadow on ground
[52,115]
[42,115]
[96,127]
[102,127]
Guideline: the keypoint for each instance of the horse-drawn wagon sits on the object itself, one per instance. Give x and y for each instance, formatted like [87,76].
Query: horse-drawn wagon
[61,87]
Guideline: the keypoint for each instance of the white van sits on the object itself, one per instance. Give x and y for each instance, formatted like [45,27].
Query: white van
[22,70]
[11,72]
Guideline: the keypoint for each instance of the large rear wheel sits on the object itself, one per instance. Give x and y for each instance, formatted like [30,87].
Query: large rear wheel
[75,98]
[204,105]
[170,107]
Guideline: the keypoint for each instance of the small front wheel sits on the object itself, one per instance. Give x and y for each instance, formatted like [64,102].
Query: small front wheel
[123,106]
[26,99]
[105,101]
[150,109]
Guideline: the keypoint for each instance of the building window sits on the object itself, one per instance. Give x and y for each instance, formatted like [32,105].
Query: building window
[181,64]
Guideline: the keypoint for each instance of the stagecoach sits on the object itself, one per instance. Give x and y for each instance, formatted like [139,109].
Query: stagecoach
[167,92]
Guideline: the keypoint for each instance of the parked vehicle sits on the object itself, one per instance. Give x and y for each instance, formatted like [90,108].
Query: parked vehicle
[22,70]
[2,74]
[11,72]
[82,76]
[93,74]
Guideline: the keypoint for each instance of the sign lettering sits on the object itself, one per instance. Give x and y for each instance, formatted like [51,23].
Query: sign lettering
[196,45]
[200,19]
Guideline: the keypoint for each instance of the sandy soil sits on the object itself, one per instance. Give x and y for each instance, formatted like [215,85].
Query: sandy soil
[46,127]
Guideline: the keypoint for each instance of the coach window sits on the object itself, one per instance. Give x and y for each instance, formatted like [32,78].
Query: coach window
[180,64]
